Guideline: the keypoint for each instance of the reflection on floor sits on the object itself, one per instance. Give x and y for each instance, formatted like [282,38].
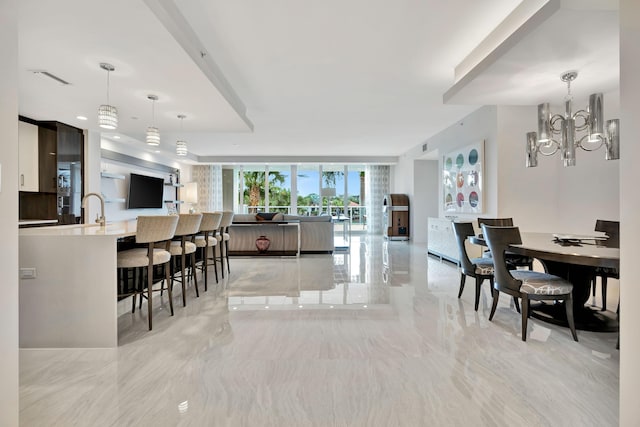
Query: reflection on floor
[372,337]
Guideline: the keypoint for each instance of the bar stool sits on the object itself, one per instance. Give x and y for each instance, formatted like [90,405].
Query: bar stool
[206,239]
[223,237]
[151,230]
[188,226]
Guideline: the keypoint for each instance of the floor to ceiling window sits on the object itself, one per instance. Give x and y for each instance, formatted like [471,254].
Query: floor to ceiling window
[279,178]
[319,189]
[308,189]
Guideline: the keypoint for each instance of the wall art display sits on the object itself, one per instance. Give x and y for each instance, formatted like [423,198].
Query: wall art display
[462,174]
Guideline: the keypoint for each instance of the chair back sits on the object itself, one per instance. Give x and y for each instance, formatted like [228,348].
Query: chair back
[463,230]
[499,239]
[155,228]
[227,219]
[612,230]
[210,221]
[188,224]
[496,222]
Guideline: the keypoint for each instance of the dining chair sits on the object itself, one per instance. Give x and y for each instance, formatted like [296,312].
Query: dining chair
[612,231]
[480,269]
[188,226]
[156,232]
[527,285]
[514,259]
[206,241]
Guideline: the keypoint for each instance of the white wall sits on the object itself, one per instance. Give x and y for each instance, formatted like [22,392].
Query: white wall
[423,202]
[477,126]
[629,208]
[9,213]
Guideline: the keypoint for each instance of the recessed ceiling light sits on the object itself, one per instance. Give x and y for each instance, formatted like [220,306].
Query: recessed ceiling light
[116,136]
[81,118]
[156,151]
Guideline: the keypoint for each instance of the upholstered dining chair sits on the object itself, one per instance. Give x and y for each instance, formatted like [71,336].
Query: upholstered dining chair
[525,284]
[188,226]
[223,237]
[153,231]
[612,231]
[514,259]
[479,268]
[207,242]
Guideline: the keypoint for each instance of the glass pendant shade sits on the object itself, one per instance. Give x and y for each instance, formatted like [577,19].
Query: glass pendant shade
[108,117]
[532,150]
[153,136]
[613,148]
[544,123]
[596,120]
[107,114]
[181,148]
[181,145]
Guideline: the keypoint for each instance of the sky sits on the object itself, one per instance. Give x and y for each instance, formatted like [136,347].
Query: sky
[308,183]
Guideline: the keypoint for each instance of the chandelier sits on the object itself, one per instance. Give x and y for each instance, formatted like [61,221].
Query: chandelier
[107,114]
[568,128]
[153,135]
[181,146]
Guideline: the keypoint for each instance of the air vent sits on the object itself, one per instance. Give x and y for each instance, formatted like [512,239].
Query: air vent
[51,76]
[424,148]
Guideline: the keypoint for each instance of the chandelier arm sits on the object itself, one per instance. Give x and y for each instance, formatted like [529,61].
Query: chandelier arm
[585,148]
[553,120]
[584,115]
[551,144]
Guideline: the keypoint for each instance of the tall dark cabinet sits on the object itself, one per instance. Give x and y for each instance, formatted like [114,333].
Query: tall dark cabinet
[60,174]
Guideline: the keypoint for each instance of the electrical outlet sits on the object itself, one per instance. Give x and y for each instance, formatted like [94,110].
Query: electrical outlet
[28,273]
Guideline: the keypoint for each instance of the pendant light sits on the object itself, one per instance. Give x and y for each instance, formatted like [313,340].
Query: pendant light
[181,146]
[107,114]
[153,135]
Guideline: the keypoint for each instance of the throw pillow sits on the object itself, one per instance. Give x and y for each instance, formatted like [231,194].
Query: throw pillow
[278,217]
[265,216]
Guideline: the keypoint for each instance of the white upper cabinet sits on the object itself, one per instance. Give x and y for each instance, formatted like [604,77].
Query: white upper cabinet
[28,156]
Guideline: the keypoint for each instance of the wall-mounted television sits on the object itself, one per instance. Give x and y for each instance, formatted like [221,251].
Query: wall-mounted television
[145,192]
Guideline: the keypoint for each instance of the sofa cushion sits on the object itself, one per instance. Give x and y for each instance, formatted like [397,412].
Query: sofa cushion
[244,218]
[304,218]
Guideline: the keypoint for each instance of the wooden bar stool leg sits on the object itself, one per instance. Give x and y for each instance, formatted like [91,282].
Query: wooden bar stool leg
[150,286]
[193,271]
[215,264]
[167,273]
[226,253]
[204,264]
[184,297]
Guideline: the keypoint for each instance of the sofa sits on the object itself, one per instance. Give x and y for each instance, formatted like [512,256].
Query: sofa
[316,233]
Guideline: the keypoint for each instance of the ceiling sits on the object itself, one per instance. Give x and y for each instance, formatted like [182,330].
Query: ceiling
[301,78]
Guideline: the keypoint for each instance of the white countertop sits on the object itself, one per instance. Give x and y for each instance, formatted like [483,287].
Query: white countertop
[115,229]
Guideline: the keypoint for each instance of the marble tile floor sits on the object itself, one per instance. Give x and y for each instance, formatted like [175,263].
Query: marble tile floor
[373,337]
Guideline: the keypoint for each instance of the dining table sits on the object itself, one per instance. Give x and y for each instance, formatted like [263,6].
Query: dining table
[575,258]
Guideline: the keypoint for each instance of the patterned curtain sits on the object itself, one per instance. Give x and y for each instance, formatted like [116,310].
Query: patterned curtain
[376,186]
[209,179]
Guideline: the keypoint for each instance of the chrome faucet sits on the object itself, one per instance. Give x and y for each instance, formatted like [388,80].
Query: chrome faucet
[99,219]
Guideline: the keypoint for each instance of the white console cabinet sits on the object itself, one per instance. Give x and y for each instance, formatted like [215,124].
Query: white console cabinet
[442,241]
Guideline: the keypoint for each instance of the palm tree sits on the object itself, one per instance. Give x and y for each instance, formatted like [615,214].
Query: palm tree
[255,183]
[329,178]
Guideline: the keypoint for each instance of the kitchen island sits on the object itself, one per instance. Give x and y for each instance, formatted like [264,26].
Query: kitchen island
[68,285]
